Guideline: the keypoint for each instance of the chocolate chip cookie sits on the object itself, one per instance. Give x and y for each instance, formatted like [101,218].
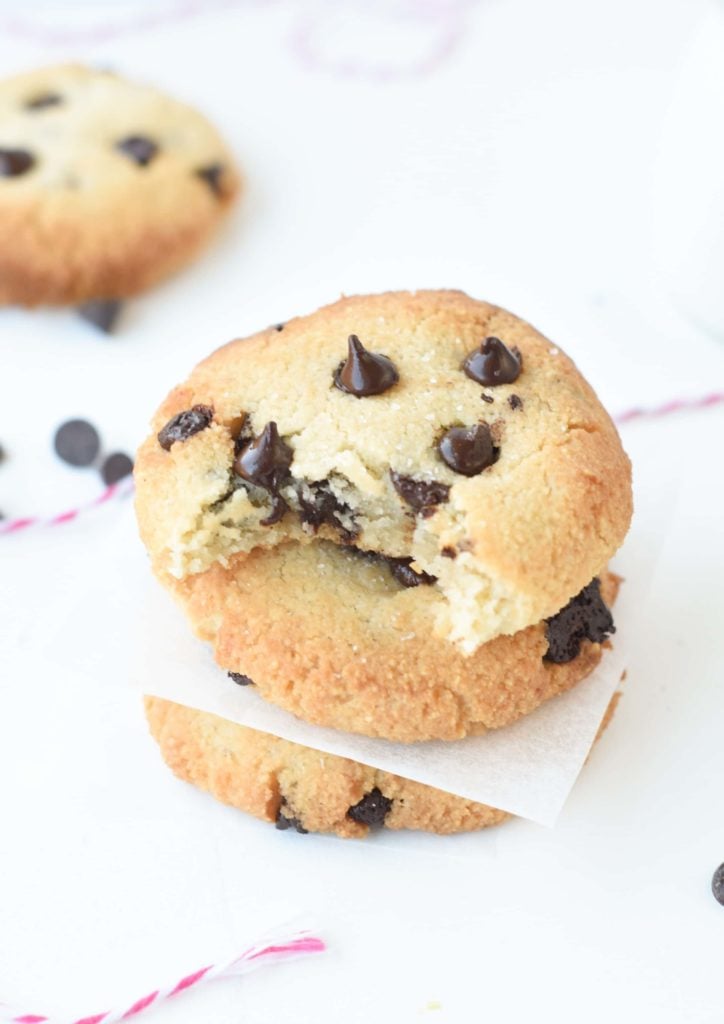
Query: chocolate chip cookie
[106,187]
[302,789]
[440,435]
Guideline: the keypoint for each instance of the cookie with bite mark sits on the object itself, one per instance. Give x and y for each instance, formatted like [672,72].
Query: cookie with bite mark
[426,427]
[106,187]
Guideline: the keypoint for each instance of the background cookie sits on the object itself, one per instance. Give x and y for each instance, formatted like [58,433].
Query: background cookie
[106,186]
[424,426]
[297,787]
[334,638]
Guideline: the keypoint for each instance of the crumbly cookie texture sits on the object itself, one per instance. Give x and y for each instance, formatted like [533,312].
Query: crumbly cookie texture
[106,186]
[301,788]
[506,497]
[332,637]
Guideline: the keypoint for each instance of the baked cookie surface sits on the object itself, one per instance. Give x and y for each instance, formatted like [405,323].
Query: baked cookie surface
[106,186]
[333,637]
[298,787]
[428,428]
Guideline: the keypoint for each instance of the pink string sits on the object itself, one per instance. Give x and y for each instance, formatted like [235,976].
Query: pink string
[293,946]
[125,487]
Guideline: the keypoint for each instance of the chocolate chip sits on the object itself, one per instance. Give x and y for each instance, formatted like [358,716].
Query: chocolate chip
[184,425]
[14,162]
[493,363]
[3,454]
[372,809]
[139,148]
[717,884]
[319,505]
[242,680]
[283,823]
[102,313]
[515,402]
[77,442]
[449,552]
[212,175]
[406,575]
[468,450]
[585,617]
[279,327]
[265,461]
[45,99]
[364,373]
[116,467]
[487,398]
[421,495]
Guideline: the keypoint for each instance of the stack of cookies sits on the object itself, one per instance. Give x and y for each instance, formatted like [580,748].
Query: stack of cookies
[392,517]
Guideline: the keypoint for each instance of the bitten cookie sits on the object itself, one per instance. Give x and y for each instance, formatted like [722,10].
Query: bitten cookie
[441,433]
[331,635]
[300,788]
[106,186]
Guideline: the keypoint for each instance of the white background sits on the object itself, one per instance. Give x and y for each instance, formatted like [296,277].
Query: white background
[518,166]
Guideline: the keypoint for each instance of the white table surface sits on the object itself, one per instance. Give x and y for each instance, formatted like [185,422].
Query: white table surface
[518,167]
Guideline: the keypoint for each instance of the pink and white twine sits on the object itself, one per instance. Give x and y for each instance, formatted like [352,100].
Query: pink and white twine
[125,487]
[285,947]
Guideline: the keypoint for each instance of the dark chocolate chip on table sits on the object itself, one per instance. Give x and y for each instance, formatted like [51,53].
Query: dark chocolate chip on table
[139,148]
[515,402]
[283,823]
[492,362]
[184,425]
[240,679]
[372,809]
[717,884]
[102,313]
[212,175]
[43,100]
[585,617]
[468,450]
[116,466]
[364,373]
[421,495]
[14,162]
[77,442]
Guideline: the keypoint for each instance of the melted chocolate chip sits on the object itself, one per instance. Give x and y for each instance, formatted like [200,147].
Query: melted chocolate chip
[364,373]
[421,495]
[487,398]
[185,425]
[515,402]
[319,505]
[717,884]
[240,679]
[116,467]
[14,162]
[46,99]
[449,552]
[102,313]
[77,442]
[372,809]
[493,363]
[399,567]
[265,461]
[468,450]
[139,148]
[283,823]
[405,574]
[212,175]
[585,617]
